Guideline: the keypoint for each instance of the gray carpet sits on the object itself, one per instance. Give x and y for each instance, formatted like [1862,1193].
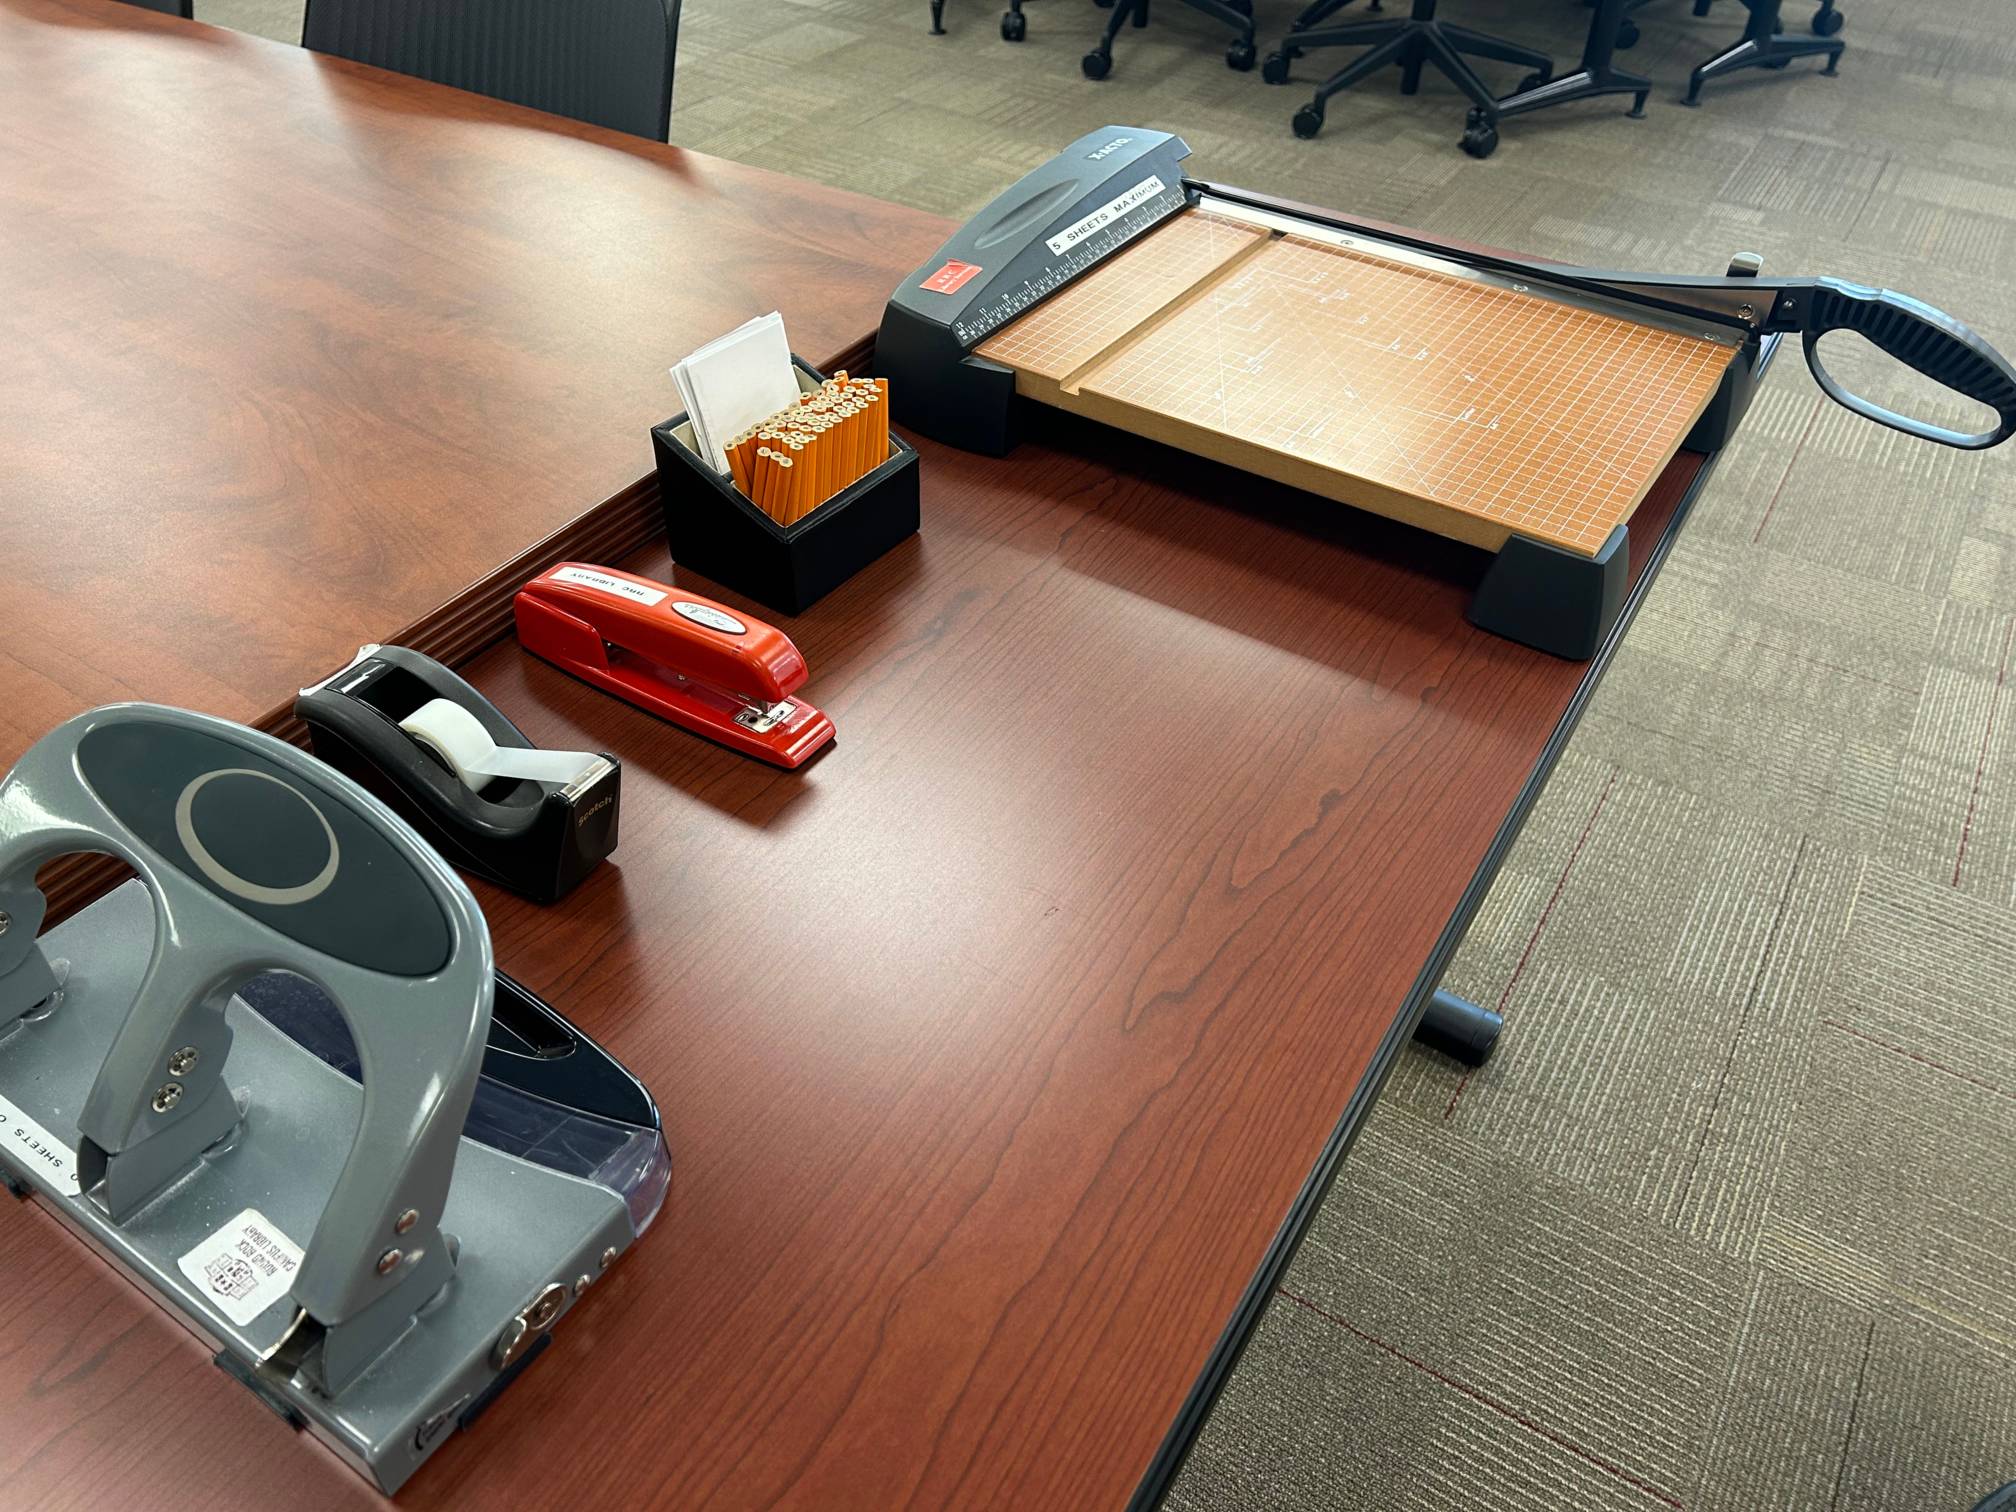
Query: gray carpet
[1730,1223]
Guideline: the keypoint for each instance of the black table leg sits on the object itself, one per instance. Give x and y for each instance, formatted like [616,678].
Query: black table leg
[1459,1028]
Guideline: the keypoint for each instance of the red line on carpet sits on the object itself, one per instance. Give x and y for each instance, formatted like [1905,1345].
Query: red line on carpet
[1926,1061]
[1534,938]
[1509,1413]
[1994,705]
[1811,420]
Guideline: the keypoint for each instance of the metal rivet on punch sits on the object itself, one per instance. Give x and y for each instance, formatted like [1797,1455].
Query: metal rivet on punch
[406,1221]
[169,1094]
[389,1262]
[4,922]
[182,1061]
[581,1284]
[1747,312]
[608,1257]
[546,1306]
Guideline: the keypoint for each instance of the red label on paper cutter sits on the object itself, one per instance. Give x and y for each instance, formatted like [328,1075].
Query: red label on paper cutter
[951,278]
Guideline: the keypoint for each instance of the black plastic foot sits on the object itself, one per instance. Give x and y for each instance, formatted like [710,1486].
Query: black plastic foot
[1554,600]
[1459,1028]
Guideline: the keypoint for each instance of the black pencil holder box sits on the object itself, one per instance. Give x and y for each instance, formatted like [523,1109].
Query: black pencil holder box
[718,533]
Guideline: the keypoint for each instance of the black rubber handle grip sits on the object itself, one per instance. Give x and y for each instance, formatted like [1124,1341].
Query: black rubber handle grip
[1927,340]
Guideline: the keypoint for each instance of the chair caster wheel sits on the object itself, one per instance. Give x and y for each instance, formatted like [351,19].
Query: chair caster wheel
[1827,22]
[1774,64]
[1240,55]
[1308,121]
[1014,26]
[1275,69]
[1627,33]
[1096,64]
[1531,81]
[1480,139]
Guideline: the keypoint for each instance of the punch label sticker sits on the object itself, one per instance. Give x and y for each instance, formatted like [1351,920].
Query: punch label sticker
[31,1147]
[951,278]
[1105,215]
[607,584]
[245,1267]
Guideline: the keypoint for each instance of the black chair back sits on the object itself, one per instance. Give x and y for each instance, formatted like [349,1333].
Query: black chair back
[607,62]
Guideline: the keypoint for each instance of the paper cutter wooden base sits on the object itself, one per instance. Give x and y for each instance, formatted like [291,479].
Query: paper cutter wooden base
[1475,411]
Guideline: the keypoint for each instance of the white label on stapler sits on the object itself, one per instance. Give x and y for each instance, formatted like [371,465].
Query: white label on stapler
[1105,215]
[245,1267]
[621,587]
[34,1148]
[712,618]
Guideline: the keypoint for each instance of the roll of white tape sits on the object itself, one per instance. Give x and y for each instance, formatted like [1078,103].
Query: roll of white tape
[458,738]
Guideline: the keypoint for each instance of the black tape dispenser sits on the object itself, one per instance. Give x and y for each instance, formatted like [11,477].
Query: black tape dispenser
[449,763]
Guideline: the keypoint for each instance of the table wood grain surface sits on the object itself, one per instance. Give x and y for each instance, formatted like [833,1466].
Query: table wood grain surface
[294,350]
[992,1047]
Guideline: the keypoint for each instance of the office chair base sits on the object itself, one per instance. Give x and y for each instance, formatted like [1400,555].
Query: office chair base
[1240,53]
[1014,25]
[1410,45]
[1593,79]
[1460,1029]
[1764,46]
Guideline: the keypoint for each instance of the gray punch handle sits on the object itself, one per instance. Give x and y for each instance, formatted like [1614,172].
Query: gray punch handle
[257,858]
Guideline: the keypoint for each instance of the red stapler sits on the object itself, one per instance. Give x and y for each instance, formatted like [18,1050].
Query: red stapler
[715,670]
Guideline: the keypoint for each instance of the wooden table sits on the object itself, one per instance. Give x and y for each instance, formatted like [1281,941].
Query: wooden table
[1004,1051]
[293,351]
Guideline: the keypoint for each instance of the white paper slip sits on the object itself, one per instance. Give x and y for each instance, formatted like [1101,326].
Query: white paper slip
[734,381]
[245,1267]
[29,1146]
